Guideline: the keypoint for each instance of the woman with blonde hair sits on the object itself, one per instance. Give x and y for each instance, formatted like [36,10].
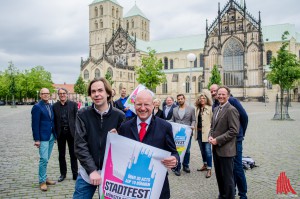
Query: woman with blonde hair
[204,115]
[157,111]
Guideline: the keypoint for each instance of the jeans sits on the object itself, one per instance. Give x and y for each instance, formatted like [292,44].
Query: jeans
[238,171]
[83,190]
[45,151]
[205,148]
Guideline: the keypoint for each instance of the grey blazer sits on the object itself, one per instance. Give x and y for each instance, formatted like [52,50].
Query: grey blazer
[225,129]
[188,118]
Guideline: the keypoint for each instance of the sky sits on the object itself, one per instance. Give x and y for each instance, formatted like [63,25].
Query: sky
[55,34]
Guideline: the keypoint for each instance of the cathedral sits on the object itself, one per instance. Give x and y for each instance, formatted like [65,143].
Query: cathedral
[235,41]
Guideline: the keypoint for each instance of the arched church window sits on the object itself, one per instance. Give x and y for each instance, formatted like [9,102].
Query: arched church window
[96,11]
[166,63]
[164,88]
[195,63]
[199,84]
[113,24]
[187,84]
[132,23]
[86,74]
[96,24]
[113,11]
[101,10]
[269,57]
[127,25]
[101,23]
[117,13]
[110,71]
[97,73]
[233,57]
[171,63]
[201,60]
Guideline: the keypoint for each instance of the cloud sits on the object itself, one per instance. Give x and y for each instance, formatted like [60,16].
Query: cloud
[55,34]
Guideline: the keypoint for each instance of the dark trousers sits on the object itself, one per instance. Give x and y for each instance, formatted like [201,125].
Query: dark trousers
[65,136]
[239,174]
[224,175]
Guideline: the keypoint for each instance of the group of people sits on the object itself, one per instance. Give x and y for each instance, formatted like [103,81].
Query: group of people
[221,124]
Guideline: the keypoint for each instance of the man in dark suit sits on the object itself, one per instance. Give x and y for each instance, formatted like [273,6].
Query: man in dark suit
[119,104]
[168,108]
[65,116]
[238,171]
[42,123]
[224,129]
[153,131]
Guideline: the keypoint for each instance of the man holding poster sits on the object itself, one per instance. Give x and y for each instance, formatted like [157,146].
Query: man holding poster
[93,123]
[153,131]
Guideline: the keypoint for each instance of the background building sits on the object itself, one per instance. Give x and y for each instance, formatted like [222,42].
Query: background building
[235,41]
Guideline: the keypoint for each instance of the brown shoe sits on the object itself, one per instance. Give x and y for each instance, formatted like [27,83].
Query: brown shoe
[43,186]
[208,174]
[204,168]
[50,182]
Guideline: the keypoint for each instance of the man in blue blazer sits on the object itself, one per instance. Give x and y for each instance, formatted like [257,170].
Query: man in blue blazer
[43,134]
[168,108]
[153,131]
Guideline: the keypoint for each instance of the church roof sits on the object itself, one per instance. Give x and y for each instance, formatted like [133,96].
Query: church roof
[114,1]
[135,11]
[271,33]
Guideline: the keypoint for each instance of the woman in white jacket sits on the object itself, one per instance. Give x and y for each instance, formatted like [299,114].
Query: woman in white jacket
[202,127]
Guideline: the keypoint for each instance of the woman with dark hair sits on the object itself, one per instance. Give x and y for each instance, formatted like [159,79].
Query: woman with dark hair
[202,127]
[157,111]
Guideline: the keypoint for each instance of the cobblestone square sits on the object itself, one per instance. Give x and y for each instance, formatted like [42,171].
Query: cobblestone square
[273,144]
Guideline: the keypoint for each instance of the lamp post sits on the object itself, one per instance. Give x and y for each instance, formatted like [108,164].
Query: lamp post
[265,84]
[191,57]
[37,96]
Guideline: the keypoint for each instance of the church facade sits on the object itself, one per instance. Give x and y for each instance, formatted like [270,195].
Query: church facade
[236,42]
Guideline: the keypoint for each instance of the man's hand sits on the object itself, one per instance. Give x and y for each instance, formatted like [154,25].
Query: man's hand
[95,178]
[126,109]
[170,162]
[37,144]
[113,131]
[212,140]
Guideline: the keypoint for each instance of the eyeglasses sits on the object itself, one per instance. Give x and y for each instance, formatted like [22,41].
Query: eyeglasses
[45,93]
[140,105]
[62,93]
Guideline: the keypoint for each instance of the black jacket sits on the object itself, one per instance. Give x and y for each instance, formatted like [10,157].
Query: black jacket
[90,135]
[72,111]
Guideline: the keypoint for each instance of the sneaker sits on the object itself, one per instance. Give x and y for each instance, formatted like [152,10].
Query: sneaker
[43,186]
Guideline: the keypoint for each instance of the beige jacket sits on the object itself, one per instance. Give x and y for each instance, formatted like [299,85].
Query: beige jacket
[206,122]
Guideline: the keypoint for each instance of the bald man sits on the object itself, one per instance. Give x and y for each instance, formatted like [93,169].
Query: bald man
[43,134]
[158,133]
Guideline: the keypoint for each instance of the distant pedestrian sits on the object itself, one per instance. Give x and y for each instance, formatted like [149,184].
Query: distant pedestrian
[168,108]
[156,110]
[65,114]
[120,105]
[43,130]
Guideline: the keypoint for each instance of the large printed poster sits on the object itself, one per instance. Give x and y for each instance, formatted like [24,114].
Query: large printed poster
[182,134]
[131,169]
[131,99]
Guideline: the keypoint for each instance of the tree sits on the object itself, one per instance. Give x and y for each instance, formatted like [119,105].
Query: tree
[150,72]
[80,87]
[215,77]
[285,69]
[108,77]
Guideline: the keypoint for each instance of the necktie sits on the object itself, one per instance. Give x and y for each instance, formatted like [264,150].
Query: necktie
[219,110]
[48,109]
[142,132]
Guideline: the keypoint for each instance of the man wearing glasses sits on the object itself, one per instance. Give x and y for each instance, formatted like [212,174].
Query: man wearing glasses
[43,134]
[65,115]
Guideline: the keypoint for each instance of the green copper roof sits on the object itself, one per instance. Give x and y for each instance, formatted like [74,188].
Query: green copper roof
[114,1]
[270,33]
[135,11]
[273,33]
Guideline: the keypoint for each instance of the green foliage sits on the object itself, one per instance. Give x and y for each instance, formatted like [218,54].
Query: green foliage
[24,84]
[108,77]
[285,68]
[150,72]
[215,77]
[80,87]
